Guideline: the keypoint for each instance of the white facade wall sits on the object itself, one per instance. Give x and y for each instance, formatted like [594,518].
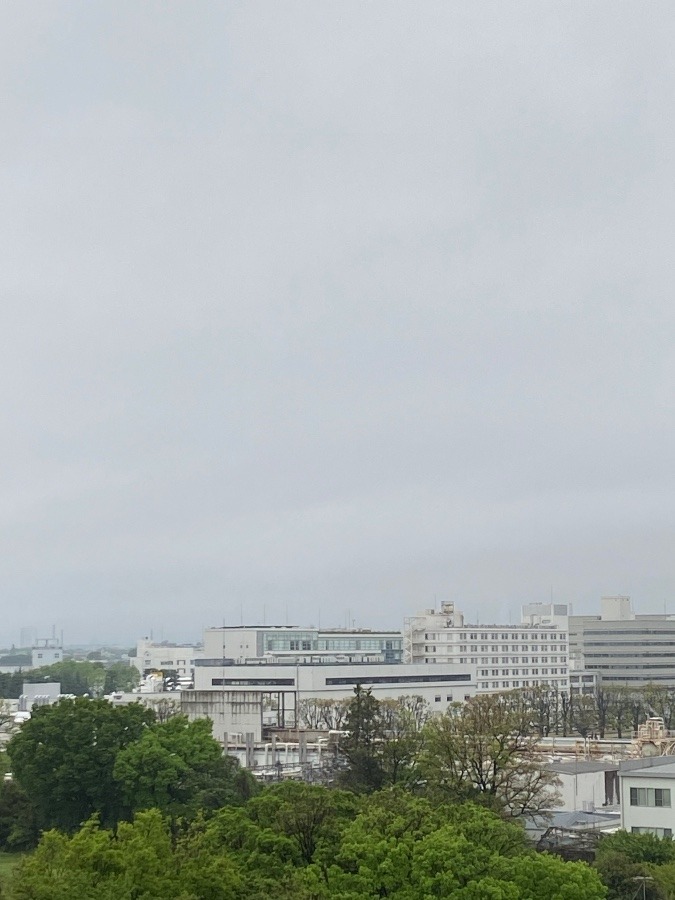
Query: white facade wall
[46,656]
[577,790]
[506,657]
[658,820]
[236,696]
[230,643]
[165,657]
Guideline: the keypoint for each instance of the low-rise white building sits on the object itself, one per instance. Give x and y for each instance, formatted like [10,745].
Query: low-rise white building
[506,657]
[244,697]
[648,796]
[46,652]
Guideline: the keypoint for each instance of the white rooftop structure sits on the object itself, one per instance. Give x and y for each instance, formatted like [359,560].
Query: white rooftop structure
[290,642]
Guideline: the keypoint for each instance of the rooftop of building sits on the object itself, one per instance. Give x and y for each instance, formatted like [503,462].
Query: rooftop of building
[317,628]
[581,766]
[649,767]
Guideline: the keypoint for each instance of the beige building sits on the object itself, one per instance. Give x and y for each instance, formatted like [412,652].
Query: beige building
[505,656]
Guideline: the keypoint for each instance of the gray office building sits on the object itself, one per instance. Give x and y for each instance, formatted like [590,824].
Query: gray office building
[624,648]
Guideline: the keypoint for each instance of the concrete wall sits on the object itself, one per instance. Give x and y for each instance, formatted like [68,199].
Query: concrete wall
[230,711]
[580,788]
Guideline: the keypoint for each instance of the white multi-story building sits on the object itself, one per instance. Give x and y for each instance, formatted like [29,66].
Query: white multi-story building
[505,656]
[165,657]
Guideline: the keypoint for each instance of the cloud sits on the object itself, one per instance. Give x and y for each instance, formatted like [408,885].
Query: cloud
[333,308]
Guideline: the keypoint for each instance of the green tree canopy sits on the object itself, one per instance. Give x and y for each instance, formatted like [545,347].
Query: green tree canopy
[484,750]
[64,756]
[178,767]
[306,843]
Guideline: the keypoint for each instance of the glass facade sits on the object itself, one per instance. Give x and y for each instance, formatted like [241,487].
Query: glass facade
[388,647]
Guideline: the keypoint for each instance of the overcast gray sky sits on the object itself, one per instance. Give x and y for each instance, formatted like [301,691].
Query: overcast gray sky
[324,310]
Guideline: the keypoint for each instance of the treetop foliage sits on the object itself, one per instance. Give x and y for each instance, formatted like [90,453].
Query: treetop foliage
[307,842]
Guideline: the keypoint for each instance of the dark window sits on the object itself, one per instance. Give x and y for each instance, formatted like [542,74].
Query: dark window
[399,679]
[220,682]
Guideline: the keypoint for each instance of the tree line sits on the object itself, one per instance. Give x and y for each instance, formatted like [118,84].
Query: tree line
[304,842]
[612,711]
[76,677]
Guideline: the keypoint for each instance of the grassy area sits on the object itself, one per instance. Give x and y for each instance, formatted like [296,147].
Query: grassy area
[8,862]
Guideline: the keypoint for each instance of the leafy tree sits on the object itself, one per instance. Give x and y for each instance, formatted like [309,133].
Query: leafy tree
[619,708]
[76,677]
[484,751]
[18,821]
[120,677]
[138,861]
[11,684]
[63,758]
[306,843]
[623,857]
[362,746]
[584,714]
[178,767]
[308,814]
[403,722]
[401,848]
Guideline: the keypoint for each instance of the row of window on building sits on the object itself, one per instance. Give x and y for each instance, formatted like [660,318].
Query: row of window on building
[649,796]
[477,636]
[506,660]
[518,683]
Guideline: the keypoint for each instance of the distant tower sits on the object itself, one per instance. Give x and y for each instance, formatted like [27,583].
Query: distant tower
[28,636]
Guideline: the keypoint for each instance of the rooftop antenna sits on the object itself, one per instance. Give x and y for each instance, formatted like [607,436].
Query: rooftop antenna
[241,612]
[264,614]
